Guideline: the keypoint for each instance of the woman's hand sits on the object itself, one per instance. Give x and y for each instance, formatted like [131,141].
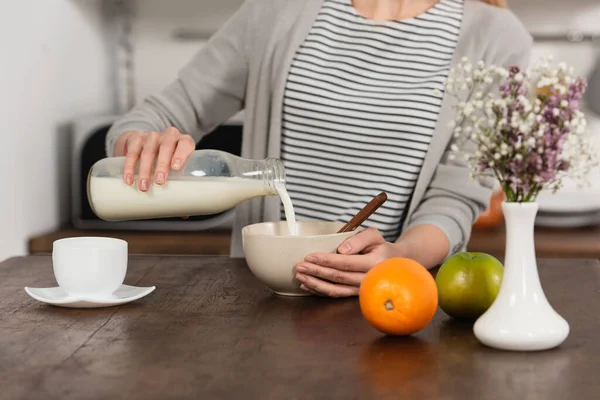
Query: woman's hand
[169,150]
[340,275]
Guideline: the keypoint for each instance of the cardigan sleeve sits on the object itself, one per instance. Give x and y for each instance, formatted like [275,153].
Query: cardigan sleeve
[209,90]
[453,200]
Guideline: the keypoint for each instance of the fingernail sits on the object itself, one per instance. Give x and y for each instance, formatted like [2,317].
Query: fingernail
[346,248]
[144,184]
[311,259]
[300,277]
[128,179]
[177,163]
[160,177]
[301,268]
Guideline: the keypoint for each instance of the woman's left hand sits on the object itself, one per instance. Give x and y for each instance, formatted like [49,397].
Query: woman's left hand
[340,275]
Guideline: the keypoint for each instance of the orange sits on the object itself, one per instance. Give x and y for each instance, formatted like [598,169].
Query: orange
[398,296]
[493,215]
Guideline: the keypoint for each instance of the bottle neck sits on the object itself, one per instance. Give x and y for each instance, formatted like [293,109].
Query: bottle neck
[273,175]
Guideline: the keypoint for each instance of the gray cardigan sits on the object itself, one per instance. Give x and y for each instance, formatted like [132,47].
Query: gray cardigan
[244,66]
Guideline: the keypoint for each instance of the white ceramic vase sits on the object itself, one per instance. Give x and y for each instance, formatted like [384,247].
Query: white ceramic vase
[521,318]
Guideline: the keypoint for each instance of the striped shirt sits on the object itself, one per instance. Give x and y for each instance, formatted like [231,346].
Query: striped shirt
[361,102]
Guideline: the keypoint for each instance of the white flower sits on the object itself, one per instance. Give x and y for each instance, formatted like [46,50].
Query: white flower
[488,80]
[518,145]
[564,104]
[481,64]
[452,124]
[437,92]
[531,142]
[454,148]
[519,77]
[468,109]
[518,157]
[479,95]
[555,112]
[497,156]
[501,72]
[540,132]
[525,127]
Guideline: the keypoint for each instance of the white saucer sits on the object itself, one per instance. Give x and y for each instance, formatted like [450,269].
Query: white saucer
[57,296]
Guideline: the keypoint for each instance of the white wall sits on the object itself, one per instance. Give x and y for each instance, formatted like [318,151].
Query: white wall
[53,68]
[552,16]
[158,56]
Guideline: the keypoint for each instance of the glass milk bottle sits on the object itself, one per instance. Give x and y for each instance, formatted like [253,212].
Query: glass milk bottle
[209,182]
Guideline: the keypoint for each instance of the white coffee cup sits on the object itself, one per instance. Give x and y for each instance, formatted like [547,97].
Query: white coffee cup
[90,267]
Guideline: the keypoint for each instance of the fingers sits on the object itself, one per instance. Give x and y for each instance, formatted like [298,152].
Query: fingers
[185,146]
[310,290]
[361,241]
[147,158]
[331,274]
[325,288]
[342,262]
[158,151]
[135,144]
[168,144]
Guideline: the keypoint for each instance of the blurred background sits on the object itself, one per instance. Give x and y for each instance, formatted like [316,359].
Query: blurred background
[69,67]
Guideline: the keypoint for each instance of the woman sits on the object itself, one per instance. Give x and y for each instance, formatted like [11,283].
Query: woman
[349,93]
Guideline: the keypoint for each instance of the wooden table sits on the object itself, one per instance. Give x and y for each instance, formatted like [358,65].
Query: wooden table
[550,243]
[212,331]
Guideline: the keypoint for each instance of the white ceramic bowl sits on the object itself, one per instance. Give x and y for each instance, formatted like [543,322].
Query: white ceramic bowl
[272,254]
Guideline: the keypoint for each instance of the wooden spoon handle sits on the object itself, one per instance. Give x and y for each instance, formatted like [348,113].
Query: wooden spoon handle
[365,213]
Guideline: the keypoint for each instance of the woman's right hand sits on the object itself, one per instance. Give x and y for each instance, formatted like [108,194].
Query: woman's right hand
[169,149]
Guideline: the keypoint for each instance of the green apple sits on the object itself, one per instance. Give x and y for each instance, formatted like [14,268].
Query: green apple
[468,284]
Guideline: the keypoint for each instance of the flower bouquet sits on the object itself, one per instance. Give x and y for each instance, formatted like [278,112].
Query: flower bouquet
[530,134]
[526,129]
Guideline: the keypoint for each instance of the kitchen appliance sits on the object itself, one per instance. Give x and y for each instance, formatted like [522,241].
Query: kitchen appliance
[88,146]
[573,206]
